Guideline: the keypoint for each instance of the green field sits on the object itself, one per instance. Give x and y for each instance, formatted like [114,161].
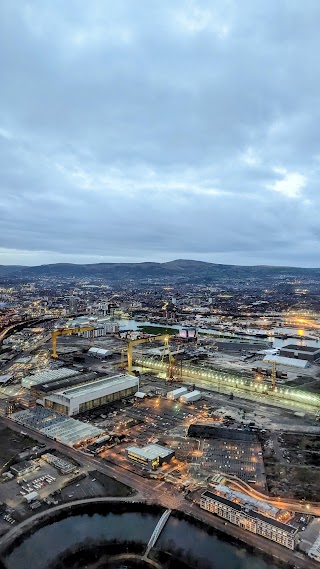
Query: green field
[157,330]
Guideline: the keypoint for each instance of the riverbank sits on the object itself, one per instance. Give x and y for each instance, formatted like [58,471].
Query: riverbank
[135,523]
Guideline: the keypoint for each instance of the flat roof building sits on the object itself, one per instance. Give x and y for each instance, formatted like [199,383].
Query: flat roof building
[47,375]
[23,467]
[91,395]
[309,353]
[314,551]
[190,397]
[176,393]
[56,426]
[249,519]
[286,361]
[150,456]
[209,431]
[41,389]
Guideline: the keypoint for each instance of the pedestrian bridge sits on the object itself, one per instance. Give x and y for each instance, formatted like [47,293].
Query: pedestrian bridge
[156,532]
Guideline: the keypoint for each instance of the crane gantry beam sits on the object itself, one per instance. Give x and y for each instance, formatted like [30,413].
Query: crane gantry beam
[66,332]
[150,339]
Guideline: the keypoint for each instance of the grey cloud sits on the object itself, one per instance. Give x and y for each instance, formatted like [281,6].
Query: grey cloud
[154,130]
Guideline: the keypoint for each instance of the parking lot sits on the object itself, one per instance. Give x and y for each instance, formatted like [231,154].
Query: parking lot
[241,458]
[95,484]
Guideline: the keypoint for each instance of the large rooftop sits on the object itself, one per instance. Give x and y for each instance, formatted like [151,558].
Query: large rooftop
[48,375]
[297,348]
[150,452]
[97,385]
[56,426]
[67,382]
[253,513]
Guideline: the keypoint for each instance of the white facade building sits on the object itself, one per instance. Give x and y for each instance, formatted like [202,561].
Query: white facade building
[91,395]
[249,519]
[176,393]
[191,396]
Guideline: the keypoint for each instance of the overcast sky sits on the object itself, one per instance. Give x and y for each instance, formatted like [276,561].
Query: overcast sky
[135,130]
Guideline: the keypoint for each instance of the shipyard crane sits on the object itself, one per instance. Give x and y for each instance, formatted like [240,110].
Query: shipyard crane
[273,375]
[171,359]
[67,332]
[131,343]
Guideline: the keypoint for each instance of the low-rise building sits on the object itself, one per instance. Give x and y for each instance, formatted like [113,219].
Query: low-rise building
[150,456]
[24,467]
[190,397]
[47,375]
[176,393]
[249,519]
[92,395]
[314,551]
[309,353]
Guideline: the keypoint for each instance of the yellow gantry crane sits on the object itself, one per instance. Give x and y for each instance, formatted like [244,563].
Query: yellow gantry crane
[150,339]
[274,375]
[67,332]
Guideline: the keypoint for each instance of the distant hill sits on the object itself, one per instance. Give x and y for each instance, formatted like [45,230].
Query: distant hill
[7,269]
[180,269]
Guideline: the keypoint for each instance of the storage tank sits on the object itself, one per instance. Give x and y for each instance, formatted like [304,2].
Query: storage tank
[176,393]
[191,396]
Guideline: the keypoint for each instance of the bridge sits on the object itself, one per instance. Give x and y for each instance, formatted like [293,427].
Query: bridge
[156,532]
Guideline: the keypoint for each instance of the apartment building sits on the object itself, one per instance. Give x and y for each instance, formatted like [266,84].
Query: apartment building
[249,519]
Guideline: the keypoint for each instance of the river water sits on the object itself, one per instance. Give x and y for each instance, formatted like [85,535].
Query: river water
[44,547]
[276,342]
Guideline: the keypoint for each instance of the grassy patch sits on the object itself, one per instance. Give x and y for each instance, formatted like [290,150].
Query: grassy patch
[12,443]
[157,330]
[111,486]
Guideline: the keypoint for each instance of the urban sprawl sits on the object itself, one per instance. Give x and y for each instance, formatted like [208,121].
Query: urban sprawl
[203,398]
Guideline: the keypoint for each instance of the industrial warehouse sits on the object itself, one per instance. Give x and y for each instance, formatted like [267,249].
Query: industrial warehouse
[53,425]
[93,394]
[47,375]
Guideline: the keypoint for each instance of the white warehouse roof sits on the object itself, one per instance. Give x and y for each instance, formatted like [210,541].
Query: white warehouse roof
[75,398]
[92,389]
[5,378]
[150,452]
[190,395]
[294,362]
[47,375]
[99,351]
[71,431]
[176,393]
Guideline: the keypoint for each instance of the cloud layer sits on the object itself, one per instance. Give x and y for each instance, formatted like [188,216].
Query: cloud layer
[154,130]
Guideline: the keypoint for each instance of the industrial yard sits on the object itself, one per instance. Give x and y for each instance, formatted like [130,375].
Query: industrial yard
[172,411]
[292,464]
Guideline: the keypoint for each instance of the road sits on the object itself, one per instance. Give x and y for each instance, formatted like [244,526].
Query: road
[251,539]
[164,494]
[168,497]
[290,504]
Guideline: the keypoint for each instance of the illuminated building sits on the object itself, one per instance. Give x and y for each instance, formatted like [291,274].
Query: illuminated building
[92,394]
[251,520]
[150,456]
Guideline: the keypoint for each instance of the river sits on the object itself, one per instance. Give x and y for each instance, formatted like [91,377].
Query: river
[132,324]
[47,545]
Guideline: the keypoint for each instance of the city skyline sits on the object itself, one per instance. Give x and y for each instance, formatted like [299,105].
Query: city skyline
[159,132]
